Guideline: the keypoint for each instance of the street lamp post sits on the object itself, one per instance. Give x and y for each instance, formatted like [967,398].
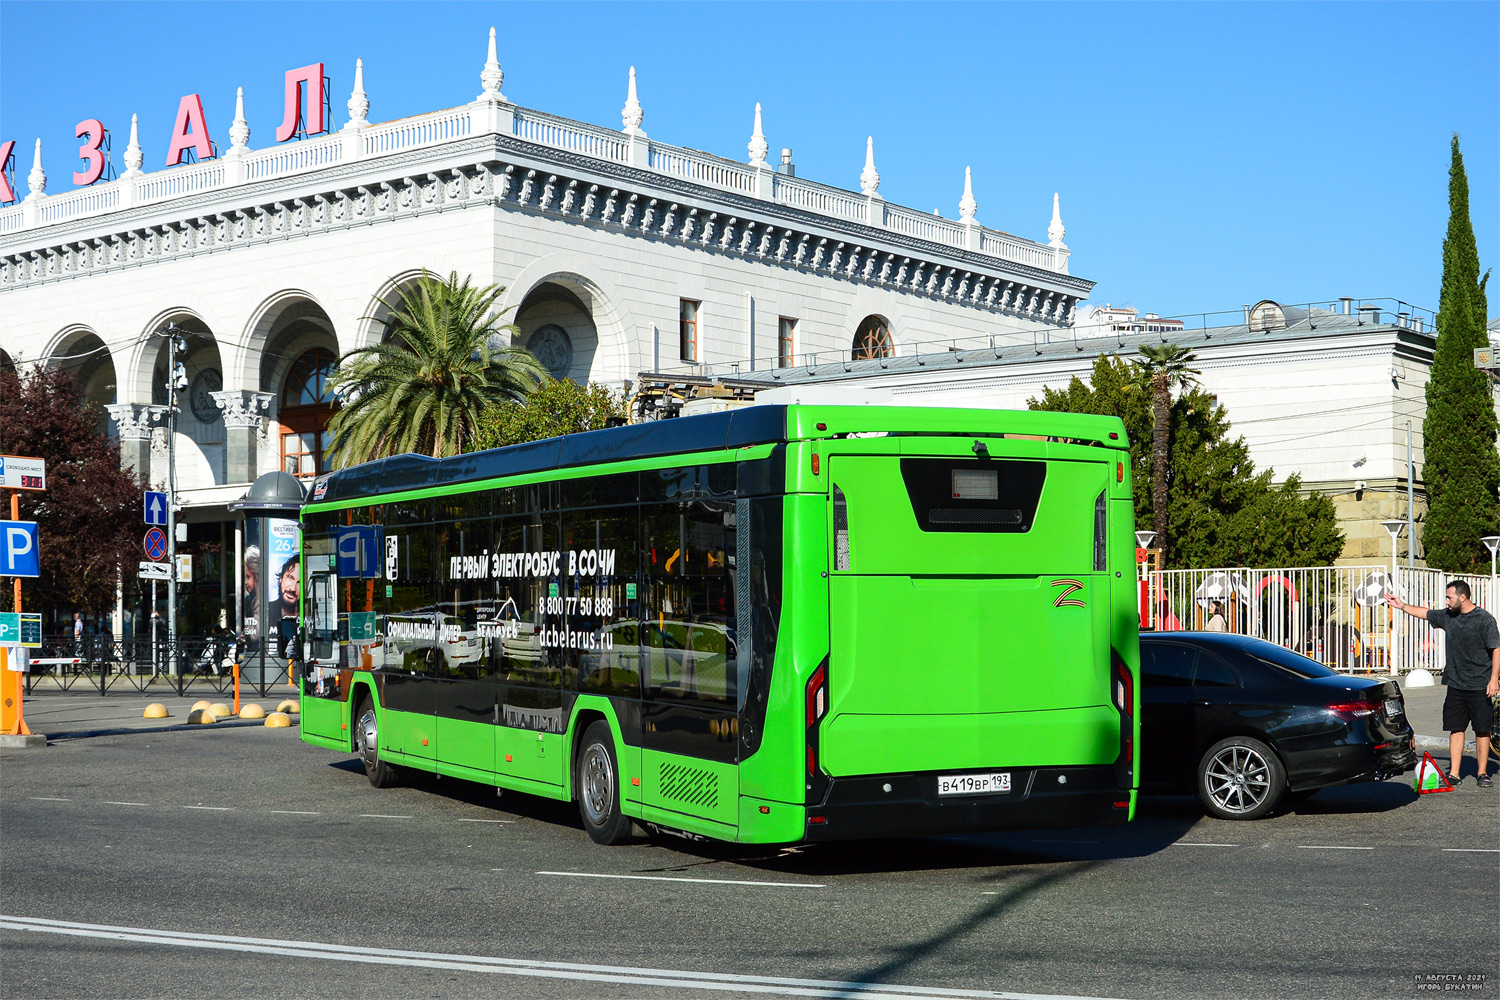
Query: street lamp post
[177,380]
[1394,528]
[1491,542]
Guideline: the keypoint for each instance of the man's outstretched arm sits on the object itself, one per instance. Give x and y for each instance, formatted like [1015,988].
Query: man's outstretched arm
[1415,610]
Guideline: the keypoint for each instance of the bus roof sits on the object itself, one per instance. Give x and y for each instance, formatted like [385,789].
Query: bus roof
[750,425]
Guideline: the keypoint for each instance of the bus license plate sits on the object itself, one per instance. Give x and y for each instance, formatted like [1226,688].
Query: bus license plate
[973,784]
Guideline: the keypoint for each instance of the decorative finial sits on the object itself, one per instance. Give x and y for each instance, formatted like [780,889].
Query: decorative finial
[631,115]
[133,155]
[37,179]
[239,130]
[869,178]
[1056,232]
[758,146]
[967,206]
[359,101]
[492,77]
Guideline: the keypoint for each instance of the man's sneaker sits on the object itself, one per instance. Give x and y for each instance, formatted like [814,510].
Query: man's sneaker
[1455,780]
[1485,781]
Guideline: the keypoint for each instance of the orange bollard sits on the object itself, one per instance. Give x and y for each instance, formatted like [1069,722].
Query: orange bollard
[12,684]
[236,689]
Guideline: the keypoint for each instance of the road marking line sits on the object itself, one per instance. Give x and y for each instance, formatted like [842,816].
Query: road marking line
[380,816]
[109,803]
[1194,843]
[1034,841]
[671,878]
[221,809]
[294,812]
[1330,847]
[43,798]
[486,821]
[1472,850]
[712,982]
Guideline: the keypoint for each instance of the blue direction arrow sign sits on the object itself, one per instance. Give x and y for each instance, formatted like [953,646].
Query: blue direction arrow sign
[156,544]
[156,508]
[19,553]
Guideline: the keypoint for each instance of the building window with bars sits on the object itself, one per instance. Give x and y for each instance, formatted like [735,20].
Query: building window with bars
[873,340]
[688,317]
[786,342]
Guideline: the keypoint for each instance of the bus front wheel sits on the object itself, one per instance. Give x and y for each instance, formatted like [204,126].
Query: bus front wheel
[598,784]
[367,745]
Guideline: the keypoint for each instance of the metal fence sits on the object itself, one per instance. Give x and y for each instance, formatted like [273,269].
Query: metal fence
[99,663]
[1335,614]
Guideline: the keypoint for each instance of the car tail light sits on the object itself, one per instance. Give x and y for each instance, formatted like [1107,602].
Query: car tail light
[1353,709]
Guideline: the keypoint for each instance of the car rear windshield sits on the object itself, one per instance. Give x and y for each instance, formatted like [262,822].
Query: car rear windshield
[1284,659]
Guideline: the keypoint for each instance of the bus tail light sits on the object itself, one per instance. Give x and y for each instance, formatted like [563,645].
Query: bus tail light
[1122,685]
[817,707]
[815,463]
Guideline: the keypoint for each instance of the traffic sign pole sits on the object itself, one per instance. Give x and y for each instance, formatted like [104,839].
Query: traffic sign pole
[12,719]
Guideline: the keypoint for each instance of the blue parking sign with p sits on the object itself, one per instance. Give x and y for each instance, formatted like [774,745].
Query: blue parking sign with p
[359,552]
[20,555]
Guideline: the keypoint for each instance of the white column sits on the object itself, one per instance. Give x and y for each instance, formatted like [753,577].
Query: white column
[750,325]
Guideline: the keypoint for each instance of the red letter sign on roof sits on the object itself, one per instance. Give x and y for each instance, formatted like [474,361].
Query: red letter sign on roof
[6,194]
[94,129]
[189,114]
[295,78]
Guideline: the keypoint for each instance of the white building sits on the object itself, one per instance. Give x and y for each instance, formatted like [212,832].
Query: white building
[619,254]
[1331,394]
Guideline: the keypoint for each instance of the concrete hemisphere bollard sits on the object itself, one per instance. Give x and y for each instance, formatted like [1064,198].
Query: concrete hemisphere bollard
[289,706]
[156,710]
[201,704]
[278,720]
[1418,678]
[201,716]
[252,711]
[220,710]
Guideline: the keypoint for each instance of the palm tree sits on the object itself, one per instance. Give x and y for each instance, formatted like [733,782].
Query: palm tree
[1159,370]
[426,386]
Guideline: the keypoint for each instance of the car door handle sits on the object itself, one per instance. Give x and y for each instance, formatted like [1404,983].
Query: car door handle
[1202,702]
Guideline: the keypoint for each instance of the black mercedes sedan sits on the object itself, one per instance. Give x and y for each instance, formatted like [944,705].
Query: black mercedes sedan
[1244,723]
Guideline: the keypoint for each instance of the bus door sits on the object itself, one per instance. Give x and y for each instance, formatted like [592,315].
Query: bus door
[322,648]
[969,626]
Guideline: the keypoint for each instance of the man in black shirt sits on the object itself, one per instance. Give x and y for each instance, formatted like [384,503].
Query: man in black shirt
[1472,674]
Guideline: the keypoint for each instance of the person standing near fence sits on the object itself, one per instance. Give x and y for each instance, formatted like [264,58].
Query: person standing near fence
[77,634]
[1472,674]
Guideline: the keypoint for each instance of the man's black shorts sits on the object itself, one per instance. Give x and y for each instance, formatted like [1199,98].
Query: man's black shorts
[1461,708]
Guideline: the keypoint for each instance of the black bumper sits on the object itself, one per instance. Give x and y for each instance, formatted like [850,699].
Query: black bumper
[861,807]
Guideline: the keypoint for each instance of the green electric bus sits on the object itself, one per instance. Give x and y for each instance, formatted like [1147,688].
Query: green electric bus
[775,624]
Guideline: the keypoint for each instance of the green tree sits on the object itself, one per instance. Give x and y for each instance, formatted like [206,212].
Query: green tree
[559,406]
[1221,512]
[1160,370]
[428,385]
[1462,467]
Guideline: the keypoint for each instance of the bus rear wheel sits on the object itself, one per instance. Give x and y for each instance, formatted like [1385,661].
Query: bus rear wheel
[598,785]
[367,745]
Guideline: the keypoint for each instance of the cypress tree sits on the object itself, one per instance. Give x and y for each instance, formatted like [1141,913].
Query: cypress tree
[1462,466]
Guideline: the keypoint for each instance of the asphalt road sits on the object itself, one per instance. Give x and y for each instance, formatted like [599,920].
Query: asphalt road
[244,863]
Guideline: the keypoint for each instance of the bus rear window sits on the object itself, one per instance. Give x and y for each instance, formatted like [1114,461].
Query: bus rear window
[957,494]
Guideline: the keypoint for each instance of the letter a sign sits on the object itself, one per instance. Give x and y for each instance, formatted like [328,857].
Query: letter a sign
[19,552]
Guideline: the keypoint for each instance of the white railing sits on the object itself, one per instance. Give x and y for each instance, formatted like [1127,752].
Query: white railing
[295,158]
[1021,251]
[801,193]
[703,168]
[925,227]
[1335,614]
[84,202]
[180,181]
[537,127]
[422,130]
[560,133]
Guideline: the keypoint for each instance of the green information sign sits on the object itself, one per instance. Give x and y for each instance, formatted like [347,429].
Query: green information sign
[24,629]
[551,590]
[362,627]
[630,592]
[387,590]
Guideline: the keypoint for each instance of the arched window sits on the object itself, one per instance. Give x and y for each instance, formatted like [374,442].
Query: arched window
[306,404]
[873,340]
[307,382]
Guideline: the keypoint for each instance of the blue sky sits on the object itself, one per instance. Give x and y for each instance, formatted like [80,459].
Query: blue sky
[1207,154]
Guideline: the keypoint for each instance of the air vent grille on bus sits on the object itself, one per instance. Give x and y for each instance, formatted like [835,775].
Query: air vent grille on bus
[970,515]
[689,785]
